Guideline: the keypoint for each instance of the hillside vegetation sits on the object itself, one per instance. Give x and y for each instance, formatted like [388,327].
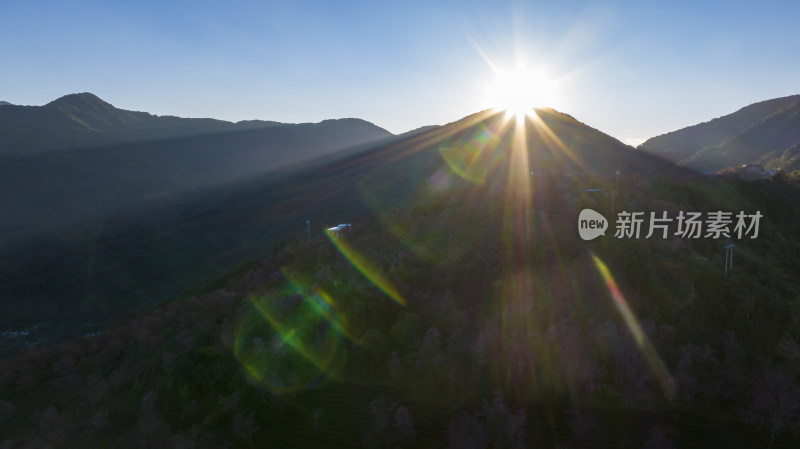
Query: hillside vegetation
[471,317]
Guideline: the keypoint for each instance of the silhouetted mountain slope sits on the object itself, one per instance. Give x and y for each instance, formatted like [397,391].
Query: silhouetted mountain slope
[5,103]
[147,252]
[761,142]
[84,120]
[80,120]
[594,152]
[735,139]
[89,112]
[52,191]
[419,130]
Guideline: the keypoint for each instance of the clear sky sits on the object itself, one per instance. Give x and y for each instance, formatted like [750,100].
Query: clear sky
[630,69]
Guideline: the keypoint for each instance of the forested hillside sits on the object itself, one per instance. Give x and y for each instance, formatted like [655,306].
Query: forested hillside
[447,325]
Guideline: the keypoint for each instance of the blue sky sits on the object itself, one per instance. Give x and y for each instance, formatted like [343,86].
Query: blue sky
[630,69]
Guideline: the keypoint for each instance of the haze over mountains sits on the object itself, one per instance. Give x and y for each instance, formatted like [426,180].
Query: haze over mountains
[79,158]
[767,132]
[129,224]
[82,120]
[113,226]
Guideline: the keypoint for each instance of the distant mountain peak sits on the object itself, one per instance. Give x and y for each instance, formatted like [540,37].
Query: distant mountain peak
[81,101]
[346,120]
[5,103]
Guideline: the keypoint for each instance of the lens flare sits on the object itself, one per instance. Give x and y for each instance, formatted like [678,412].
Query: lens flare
[321,303]
[366,268]
[547,134]
[517,216]
[475,155]
[645,347]
[292,339]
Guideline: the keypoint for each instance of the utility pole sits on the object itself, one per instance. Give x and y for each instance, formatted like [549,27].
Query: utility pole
[728,258]
[614,195]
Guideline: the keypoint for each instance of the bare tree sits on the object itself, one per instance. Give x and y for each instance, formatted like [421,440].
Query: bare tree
[245,427]
[774,403]
[658,439]
[391,427]
[467,432]
[395,366]
[318,413]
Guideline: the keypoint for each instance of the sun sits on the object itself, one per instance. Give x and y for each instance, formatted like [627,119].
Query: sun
[520,90]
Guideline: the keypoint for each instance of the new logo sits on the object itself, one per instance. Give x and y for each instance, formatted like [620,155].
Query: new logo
[591,224]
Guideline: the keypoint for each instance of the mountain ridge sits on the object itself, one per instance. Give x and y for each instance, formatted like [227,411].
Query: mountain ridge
[744,136]
[85,120]
[115,163]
